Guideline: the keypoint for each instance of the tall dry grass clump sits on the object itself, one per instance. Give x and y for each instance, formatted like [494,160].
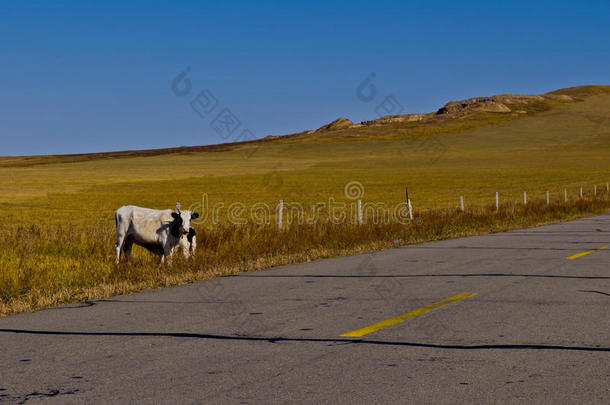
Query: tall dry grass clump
[47,265]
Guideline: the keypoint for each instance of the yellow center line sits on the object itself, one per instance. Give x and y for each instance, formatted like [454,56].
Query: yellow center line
[412,314]
[577,255]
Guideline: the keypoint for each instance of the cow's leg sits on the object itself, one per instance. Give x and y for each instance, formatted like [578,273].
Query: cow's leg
[166,257]
[193,245]
[120,239]
[184,246]
[127,246]
[169,256]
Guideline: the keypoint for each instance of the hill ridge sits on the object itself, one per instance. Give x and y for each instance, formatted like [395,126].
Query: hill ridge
[454,116]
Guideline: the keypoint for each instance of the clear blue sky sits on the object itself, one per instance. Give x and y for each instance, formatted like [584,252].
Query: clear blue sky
[84,76]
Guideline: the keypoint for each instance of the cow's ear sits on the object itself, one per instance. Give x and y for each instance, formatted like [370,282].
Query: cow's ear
[194,215]
[175,216]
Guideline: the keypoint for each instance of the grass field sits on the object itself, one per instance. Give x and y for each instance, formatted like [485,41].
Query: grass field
[57,235]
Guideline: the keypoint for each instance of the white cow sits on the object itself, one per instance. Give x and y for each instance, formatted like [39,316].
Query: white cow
[159,231]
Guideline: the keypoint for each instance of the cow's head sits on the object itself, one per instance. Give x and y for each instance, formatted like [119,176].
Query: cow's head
[182,222]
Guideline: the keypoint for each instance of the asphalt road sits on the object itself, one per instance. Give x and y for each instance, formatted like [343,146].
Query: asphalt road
[538,331]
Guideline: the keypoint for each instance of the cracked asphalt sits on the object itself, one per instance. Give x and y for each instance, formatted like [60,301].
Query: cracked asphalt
[538,331]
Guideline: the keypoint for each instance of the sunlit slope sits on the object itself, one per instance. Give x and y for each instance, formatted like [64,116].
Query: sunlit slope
[566,146]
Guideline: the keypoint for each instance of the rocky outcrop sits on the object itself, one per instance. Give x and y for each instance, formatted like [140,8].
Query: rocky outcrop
[515,104]
[473,104]
[501,103]
[388,119]
[339,123]
[517,98]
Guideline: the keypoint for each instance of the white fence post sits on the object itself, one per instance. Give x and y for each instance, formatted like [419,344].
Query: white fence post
[462,202]
[581,192]
[279,215]
[548,200]
[410,208]
[359,211]
[497,204]
[595,189]
[565,194]
[525,198]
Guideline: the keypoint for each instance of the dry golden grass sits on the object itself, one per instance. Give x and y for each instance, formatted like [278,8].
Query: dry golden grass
[50,265]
